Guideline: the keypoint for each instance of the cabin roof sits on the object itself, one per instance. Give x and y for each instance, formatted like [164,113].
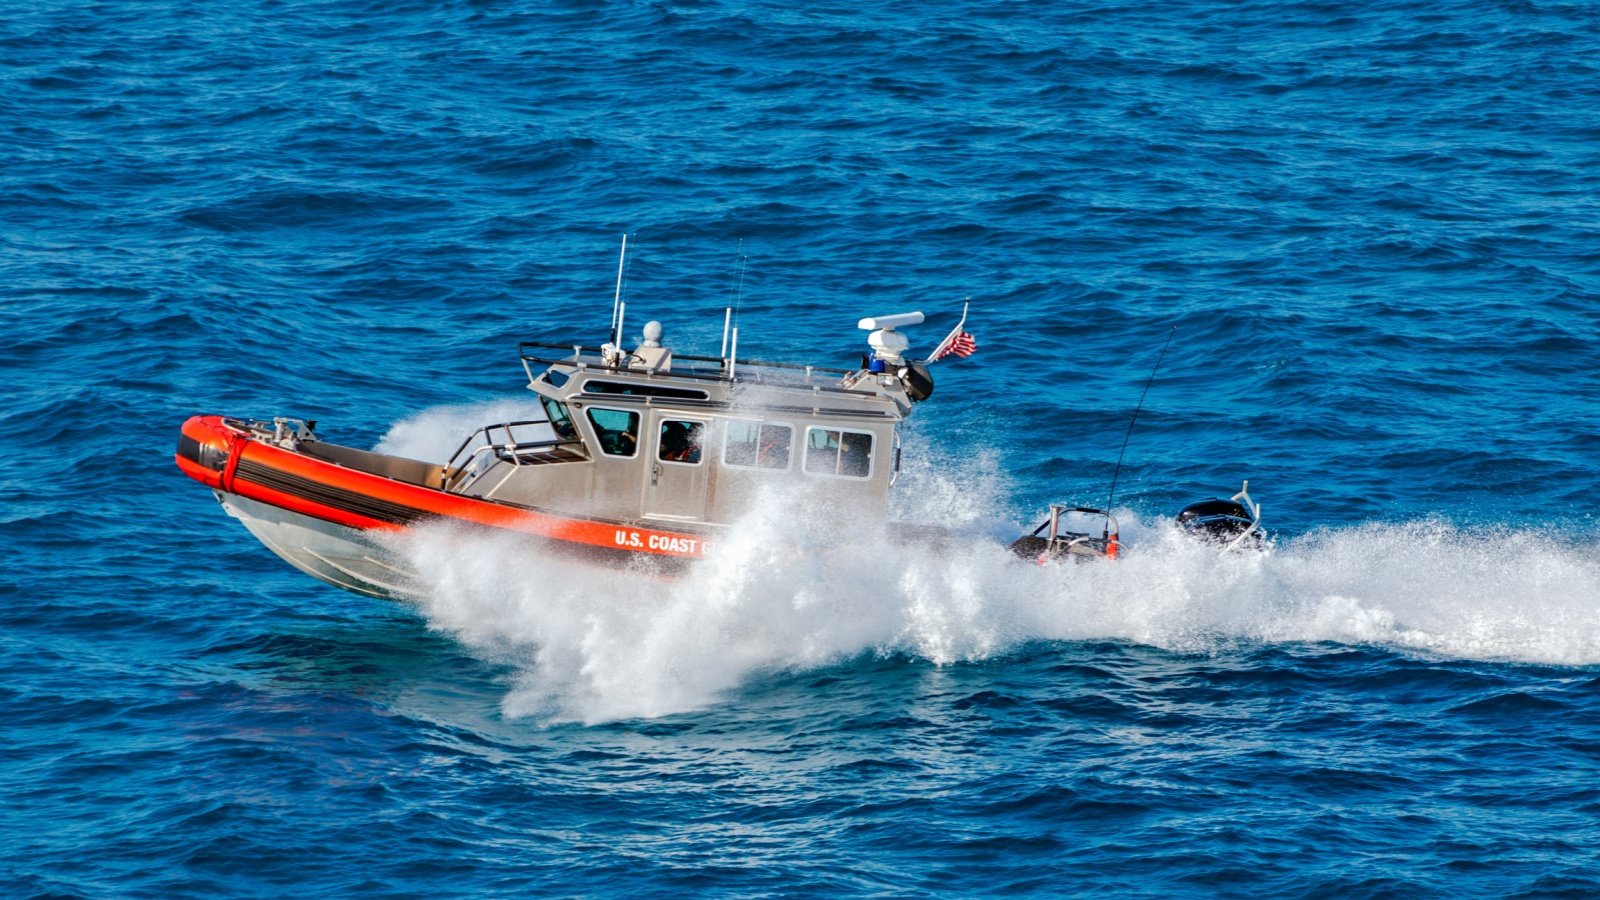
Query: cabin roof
[695,382]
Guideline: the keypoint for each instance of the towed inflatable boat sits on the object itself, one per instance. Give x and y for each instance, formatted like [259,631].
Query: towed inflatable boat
[1053,540]
[1230,524]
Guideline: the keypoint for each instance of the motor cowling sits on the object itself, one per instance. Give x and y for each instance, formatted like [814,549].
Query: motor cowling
[1218,521]
[918,381]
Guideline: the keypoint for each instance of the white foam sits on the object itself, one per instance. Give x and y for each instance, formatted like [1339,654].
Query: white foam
[433,434]
[591,644]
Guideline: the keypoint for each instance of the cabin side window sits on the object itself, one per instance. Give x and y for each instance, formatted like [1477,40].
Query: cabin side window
[617,429]
[681,441]
[596,386]
[757,445]
[846,454]
[560,419]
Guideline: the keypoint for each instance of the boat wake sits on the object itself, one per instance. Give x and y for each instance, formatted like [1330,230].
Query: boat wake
[590,644]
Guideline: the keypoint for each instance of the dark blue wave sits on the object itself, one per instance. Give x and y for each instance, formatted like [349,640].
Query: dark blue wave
[1372,226]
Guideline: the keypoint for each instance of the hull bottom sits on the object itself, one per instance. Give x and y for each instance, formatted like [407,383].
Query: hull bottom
[343,557]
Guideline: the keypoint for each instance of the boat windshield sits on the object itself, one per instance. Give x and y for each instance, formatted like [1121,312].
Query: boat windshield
[560,421]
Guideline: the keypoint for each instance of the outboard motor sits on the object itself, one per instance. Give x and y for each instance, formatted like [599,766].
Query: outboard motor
[1235,522]
[919,383]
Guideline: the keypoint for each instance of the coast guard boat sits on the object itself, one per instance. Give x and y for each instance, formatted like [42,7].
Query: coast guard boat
[638,454]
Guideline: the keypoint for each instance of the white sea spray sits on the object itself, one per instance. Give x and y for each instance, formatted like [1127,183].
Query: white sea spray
[784,592]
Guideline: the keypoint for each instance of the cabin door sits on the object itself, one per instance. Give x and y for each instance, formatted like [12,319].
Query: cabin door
[678,455]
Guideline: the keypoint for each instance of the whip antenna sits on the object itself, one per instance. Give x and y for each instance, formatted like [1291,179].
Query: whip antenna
[616,300]
[738,291]
[1118,470]
[730,316]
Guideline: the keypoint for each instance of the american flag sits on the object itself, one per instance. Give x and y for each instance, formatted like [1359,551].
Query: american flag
[961,344]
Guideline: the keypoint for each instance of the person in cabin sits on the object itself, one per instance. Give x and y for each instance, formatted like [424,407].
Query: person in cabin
[855,454]
[680,442]
[774,453]
[694,440]
[675,442]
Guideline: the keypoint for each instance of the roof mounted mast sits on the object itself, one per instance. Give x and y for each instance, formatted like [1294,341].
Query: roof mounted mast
[616,300]
[612,351]
[728,317]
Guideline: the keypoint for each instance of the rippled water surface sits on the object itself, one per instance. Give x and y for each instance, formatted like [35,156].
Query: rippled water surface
[1372,226]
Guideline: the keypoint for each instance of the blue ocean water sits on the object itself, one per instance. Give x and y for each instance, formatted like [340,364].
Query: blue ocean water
[1373,227]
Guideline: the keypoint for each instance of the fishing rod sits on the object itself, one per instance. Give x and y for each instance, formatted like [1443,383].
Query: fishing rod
[1118,470]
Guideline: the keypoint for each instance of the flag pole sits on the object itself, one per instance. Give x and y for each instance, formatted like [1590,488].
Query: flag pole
[950,338]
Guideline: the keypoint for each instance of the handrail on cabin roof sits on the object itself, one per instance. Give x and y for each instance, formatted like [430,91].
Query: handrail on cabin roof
[599,362]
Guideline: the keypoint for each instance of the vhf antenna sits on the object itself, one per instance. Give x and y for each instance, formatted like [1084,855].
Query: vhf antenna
[1118,470]
[730,316]
[616,300]
[738,295]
